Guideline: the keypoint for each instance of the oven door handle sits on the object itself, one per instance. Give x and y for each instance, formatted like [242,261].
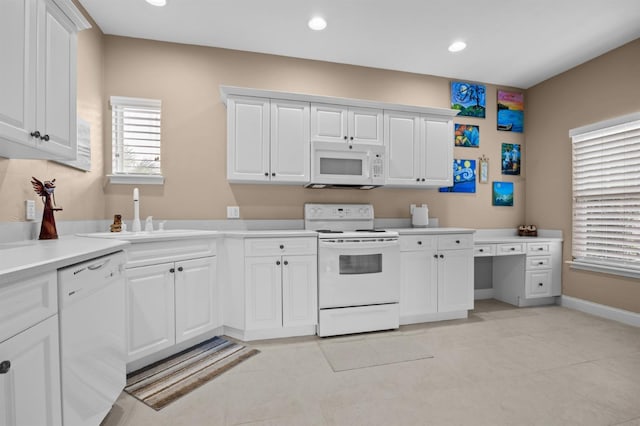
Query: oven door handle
[362,244]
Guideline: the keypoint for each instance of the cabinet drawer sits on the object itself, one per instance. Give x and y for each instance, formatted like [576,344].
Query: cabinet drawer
[141,254]
[277,246]
[480,250]
[538,284]
[538,262]
[417,242]
[455,241]
[538,248]
[510,248]
[27,302]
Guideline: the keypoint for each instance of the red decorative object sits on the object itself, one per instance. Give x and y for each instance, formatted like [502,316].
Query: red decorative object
[45,190]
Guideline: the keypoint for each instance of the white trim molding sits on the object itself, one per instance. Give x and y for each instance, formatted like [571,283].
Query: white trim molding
[604,311]
[124,179]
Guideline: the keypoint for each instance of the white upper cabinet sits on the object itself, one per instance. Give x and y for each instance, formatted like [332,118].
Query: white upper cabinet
[419,150]
[267,140]
[339,123]
[38,78]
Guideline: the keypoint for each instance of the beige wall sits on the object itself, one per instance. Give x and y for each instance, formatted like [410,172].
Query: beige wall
[600,89]
[79,193]
[187,80]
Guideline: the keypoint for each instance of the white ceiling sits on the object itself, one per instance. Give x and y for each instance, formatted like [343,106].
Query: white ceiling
[509,42]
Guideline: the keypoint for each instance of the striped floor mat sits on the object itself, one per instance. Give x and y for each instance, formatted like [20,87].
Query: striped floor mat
[161,383]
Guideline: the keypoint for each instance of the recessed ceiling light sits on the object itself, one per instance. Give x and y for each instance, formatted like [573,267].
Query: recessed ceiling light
[158,3]
[317,23]
[457,46]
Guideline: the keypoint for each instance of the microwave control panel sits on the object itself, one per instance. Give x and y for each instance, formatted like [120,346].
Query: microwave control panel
[377,167]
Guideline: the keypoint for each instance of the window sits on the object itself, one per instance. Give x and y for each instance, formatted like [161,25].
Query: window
[136,139]
[606,196]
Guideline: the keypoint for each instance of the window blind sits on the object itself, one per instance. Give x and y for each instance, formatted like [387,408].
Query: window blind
[606,194]
[136,135]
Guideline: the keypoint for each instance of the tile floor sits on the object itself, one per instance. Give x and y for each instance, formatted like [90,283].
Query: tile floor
[501,366]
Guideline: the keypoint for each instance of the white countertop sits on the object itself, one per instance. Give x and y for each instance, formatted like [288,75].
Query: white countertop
[507,235]
[27,258]
[431,231]
[270,233]
[164,235]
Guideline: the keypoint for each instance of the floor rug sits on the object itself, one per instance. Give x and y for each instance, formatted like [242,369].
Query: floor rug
[161,383]
[350,354]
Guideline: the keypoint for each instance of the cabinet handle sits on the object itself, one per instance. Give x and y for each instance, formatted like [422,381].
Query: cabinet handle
[481,250]
[172,270]
[417,179]
[423,179]
[540,248]
[345,137]
[435,256]
[540,263]
[35,134]
[180,269]
[540,284]
[5,366]
[512,249]
[266,174]
[273,174]
[419,243]
[351,138]
[286,262]
[281,246]
[278,262]
[457,241]
[45,138]
[442,256]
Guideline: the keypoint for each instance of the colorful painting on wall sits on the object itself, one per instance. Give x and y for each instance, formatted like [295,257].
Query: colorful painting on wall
[502,194]
[510,111]
[511,159]
[464,177]
[467,135]
[469,98]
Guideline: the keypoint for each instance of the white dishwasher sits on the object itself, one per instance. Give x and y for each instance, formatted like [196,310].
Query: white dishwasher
[93,356]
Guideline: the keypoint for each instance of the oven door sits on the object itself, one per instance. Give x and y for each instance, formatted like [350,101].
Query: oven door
[358,273]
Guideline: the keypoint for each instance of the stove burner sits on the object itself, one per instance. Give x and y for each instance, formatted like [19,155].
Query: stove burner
[370,230]
[328,231]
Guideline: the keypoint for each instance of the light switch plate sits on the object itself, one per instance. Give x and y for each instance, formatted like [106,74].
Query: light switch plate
[233,212]
[30,210]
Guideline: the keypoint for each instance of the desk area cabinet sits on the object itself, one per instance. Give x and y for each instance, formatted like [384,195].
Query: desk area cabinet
[523,271]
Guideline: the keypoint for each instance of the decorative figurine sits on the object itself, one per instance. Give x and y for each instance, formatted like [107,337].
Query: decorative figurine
[117,223]
[45,190]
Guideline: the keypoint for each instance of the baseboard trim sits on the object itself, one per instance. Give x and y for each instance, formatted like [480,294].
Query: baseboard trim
[483,293]
[604,311]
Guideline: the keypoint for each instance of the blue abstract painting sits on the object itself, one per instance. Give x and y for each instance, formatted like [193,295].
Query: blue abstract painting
[464,177]
[467,135]
[510,111]
[468,98]
[502,194]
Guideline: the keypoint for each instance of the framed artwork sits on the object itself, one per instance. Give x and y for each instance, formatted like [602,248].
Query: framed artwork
[483,174]
[468,98]
[511,159]
[464,177]
[467,135]
[510,111]
[502,194]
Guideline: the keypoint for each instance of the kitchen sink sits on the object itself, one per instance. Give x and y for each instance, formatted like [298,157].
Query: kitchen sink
[165,234]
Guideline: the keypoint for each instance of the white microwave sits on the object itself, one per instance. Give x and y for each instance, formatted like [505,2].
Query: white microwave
[344,165]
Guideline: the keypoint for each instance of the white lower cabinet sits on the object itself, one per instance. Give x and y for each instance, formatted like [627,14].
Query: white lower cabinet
[170,302]
[272,287]
[436,277]
[30,377]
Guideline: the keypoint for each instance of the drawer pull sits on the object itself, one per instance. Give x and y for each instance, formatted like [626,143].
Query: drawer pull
[278,262]
[286,262]
[435,256]
[419,242]
[540,284]
[540,263]
[442,256]
[281,246]
[481,250]
[457,241]
[512,249]
[5,366]
[180,269]
[172,270]
[540,248]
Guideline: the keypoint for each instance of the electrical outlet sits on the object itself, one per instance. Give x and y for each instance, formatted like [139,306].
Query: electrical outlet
[30,209]
[233,212]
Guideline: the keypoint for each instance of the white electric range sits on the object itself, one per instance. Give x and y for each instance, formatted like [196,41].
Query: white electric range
[358,269]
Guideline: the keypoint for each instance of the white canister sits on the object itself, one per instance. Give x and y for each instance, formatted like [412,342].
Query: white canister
[419,216]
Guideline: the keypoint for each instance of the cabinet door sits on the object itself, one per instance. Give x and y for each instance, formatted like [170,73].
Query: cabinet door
[248,139]
[455,280]
[197,298]
[56,77]
[402,139]
[290,144]
[365,125]
[418,283]
[437,144]
[264,292]
[150,309]
[329,123]
[18,72]
[299,291]
[30,390]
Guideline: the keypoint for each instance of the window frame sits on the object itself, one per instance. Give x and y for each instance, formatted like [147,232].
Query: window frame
[605,133]
[119,177]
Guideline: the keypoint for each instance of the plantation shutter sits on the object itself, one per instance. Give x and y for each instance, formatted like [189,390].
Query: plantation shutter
[606,194]
[136,136]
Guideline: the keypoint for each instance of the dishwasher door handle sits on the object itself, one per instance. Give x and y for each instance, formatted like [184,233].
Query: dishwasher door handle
[97,266]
